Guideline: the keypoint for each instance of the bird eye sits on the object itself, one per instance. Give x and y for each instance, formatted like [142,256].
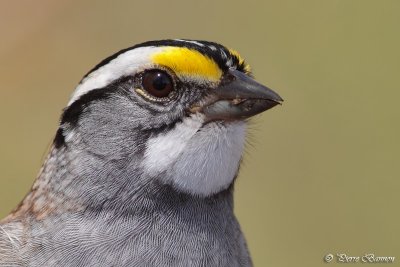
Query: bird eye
[157,83]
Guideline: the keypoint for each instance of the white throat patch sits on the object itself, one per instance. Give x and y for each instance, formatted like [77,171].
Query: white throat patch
[197,159]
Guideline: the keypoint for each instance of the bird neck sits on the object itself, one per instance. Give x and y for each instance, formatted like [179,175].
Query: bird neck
[66,184]
[127,217]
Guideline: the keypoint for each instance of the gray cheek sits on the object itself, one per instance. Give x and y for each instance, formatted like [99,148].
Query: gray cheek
[210,161]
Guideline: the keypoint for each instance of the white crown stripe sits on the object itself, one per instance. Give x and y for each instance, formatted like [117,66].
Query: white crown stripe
[190,41]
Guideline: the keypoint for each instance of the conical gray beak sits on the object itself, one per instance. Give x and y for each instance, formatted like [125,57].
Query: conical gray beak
[239,97]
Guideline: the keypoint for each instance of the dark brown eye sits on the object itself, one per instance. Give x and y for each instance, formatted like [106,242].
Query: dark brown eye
[157,83]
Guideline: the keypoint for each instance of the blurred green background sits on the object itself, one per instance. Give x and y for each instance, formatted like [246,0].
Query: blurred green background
[321,173]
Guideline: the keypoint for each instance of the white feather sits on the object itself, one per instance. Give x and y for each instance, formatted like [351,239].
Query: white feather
[125,64]
[191,42]
[197,159]
[163,150]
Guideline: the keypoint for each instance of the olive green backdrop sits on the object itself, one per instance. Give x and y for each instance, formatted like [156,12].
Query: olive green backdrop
[321,173]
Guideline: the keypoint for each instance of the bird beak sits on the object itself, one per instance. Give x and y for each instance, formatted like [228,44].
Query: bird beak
[239,97]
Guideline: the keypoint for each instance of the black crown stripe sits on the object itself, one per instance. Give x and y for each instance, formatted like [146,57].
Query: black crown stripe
[215,54]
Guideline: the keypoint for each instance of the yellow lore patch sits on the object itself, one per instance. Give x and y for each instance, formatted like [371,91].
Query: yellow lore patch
[185,61]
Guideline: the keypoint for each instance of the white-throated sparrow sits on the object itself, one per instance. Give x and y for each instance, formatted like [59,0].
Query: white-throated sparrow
[142,166]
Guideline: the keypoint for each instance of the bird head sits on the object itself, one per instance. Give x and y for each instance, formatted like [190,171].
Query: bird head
[172,112]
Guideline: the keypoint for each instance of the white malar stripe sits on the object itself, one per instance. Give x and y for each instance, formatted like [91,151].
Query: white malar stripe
[127,63]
